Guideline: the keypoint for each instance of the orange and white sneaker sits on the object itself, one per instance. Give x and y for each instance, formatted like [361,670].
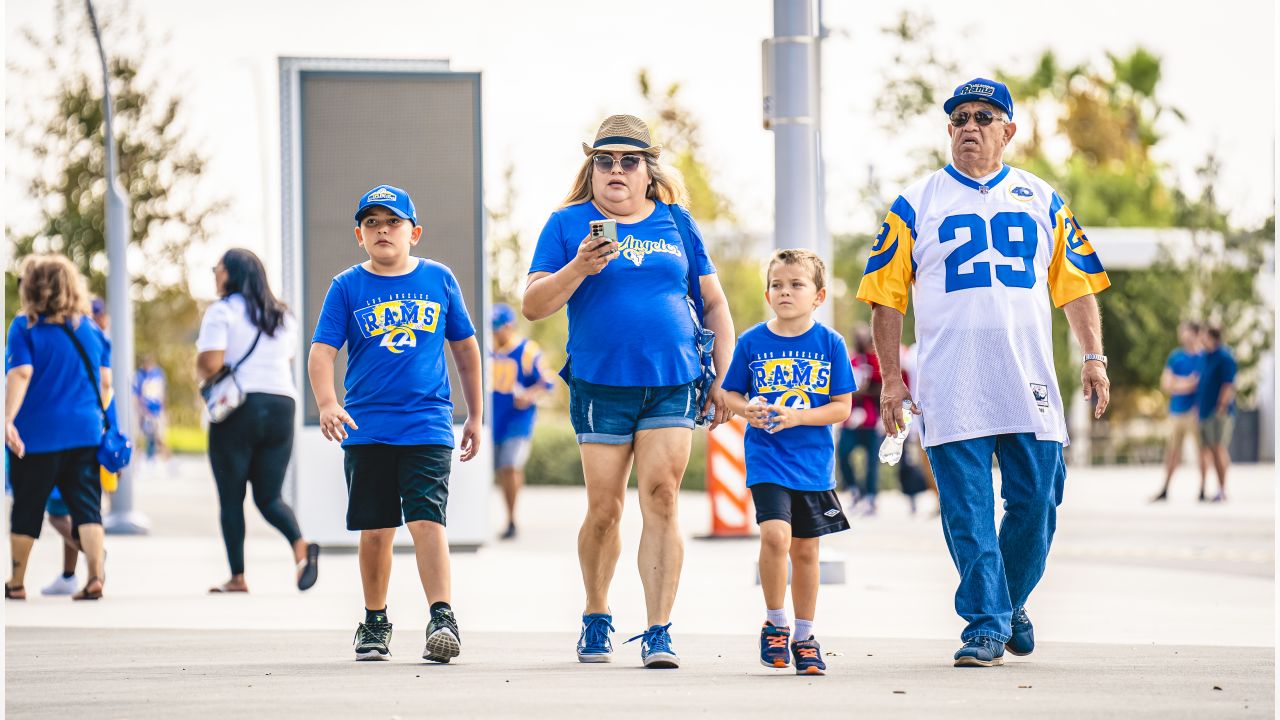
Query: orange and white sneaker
[808,657]
[773,645]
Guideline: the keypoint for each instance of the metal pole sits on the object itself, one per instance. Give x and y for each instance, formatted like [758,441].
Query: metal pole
[795,120]
[122,519]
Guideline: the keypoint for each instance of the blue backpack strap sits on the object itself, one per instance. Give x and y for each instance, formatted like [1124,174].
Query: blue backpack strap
[684,225]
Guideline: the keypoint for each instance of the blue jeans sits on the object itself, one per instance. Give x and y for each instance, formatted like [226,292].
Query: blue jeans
[997,573]
[850,440]
[612,414]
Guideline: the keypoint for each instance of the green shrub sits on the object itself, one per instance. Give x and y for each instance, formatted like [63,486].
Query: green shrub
[187,439]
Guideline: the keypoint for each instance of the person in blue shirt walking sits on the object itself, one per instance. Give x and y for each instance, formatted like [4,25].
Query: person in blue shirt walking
[801,368]
[395,312]
[519,380]
[1180,379]
[1216,402]
[53,423]
[150,386]
[632,364]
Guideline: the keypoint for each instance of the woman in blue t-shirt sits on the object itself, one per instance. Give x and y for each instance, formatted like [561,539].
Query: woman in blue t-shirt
[53,419]
[632,363]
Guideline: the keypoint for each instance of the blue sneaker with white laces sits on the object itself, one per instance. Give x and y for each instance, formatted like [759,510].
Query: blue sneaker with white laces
[981,651]
[1023,638]
[655,647]
[594,645]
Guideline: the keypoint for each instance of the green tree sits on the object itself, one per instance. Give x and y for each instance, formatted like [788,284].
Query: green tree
[62,134]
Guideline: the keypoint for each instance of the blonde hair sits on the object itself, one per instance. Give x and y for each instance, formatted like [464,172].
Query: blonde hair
[50,285]
[665,182]
[800,256]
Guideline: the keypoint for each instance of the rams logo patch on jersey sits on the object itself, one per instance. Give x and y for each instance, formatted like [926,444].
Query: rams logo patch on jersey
[792,379]
[1021,193]
[396,321]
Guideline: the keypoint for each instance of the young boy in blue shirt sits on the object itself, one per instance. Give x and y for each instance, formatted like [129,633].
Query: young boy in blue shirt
[801,367]
[395,312]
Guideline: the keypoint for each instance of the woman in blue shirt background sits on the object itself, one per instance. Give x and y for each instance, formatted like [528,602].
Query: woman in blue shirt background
[53,422]
[631,365]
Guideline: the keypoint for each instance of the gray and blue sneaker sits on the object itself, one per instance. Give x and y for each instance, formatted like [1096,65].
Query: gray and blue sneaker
[373,640]
[444,642]
[655,648]
[594,645]
[980,652]
[1023,638]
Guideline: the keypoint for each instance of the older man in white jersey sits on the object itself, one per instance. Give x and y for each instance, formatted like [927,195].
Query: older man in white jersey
[983,248]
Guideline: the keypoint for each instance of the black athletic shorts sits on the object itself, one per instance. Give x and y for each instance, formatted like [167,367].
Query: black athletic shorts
[74,472]
[384,481]
[810,513]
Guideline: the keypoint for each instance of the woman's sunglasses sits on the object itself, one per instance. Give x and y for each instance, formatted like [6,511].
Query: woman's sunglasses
[960,118]
[605,163]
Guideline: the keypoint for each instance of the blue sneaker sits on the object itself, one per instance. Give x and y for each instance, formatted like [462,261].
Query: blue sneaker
[773,645]
[594,645]
[980,652]
[808,657]
[655,647]
[1023,639]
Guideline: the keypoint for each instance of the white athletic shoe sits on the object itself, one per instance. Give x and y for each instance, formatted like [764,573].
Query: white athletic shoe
[61,586]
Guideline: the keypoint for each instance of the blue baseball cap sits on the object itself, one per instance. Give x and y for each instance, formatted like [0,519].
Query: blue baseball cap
[503,315]
[981,90]
[97,306]
[391,198]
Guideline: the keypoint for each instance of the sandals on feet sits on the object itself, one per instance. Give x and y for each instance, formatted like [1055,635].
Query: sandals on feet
[309,569]
[86,593]
[227,587]
[15,592]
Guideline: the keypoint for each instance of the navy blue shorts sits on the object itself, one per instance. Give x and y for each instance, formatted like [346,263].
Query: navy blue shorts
[611,414]
[810,513]
[388,482]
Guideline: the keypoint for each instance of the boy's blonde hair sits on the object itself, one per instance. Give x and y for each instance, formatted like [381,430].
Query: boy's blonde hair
[50,285]
[800,256]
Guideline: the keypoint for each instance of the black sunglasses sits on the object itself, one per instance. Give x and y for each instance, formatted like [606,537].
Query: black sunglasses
[960,118]
[605,163]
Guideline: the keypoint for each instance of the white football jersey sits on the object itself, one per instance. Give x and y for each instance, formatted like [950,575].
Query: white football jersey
[983,259]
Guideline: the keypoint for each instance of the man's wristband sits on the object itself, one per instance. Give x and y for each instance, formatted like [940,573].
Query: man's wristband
[1095,356]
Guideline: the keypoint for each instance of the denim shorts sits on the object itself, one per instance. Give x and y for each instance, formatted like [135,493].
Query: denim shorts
[611,414]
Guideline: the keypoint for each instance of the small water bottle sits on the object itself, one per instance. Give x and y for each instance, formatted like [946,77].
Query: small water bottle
[761,400]
[891,448]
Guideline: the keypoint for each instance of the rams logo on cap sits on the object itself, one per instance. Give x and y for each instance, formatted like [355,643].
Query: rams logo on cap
[381,194]
[977,89]
[1021,193]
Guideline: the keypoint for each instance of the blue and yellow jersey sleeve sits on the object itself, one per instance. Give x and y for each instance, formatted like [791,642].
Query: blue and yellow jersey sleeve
[891,269]
[1075,269]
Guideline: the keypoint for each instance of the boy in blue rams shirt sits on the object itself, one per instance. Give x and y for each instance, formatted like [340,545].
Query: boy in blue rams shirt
[802,369]
[519,380]
[394,313]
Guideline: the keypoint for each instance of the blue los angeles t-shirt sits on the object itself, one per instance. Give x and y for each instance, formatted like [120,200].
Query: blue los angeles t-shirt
[799,372]
[60,410]
[395,328]
[1183,364]
[519,366]
[629,325]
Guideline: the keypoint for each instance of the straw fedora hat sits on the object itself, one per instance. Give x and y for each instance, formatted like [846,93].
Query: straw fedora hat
[622,133]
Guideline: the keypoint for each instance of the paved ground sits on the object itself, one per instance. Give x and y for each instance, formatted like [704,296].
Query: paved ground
[169,673]
[1144,610]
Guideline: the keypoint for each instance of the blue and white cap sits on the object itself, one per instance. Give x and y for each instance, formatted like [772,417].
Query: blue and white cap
[982,90]
[503,314]
[391,198]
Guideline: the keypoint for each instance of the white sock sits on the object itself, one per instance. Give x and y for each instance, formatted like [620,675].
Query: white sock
[777,617]
[803,631]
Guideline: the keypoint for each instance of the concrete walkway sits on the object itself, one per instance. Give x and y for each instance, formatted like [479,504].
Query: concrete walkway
[1144,610]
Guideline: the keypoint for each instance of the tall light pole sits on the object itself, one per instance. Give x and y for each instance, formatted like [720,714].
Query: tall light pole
[793,113]
[122,519]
